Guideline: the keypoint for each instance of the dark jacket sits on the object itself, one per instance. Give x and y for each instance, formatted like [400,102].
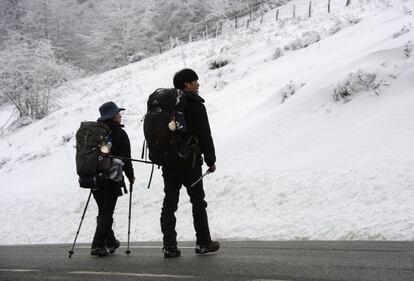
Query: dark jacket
[120,147]
[198,125]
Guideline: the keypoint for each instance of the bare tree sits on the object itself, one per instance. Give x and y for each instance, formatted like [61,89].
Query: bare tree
[28,72]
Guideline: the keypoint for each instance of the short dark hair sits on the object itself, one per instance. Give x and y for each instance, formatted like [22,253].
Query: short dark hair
[183,76]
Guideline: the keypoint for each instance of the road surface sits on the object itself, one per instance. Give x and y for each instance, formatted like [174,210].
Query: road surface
[243,260]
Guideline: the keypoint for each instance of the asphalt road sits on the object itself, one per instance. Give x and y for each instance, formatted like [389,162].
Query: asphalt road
[248,260]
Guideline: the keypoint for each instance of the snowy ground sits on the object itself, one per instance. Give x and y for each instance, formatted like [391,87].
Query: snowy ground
[308,168]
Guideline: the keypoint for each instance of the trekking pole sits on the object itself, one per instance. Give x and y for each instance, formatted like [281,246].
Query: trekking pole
[129,219]
[131,159]
[200,178]
[77,233]
[150,179]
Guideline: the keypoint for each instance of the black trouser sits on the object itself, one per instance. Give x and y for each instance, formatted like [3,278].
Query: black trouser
[104,235]
[174,178]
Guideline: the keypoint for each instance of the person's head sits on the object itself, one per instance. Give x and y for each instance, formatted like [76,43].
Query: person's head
[186,80]
[110,111]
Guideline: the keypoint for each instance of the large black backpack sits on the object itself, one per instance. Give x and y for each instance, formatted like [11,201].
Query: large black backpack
[90,159]
[165,129]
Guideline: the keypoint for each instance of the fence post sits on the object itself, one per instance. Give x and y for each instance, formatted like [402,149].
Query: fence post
[248,22]
[348,2]
[160,48]
[277,14]
[236,22]
[206,31]
[261,19]
[294,11]
[310,8]
[329,6]
[171,42]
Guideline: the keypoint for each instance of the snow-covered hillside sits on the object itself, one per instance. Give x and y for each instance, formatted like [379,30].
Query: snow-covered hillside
[312,120]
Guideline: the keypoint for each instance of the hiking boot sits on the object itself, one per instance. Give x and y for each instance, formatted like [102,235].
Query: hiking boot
[171,252]
[212,246]
[100,252]
[114,246]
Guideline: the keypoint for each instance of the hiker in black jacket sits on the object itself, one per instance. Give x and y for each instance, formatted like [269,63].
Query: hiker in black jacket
[186,174]
[107,196]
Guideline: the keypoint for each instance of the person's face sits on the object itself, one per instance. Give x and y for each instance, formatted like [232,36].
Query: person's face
[191,87]
[117,118]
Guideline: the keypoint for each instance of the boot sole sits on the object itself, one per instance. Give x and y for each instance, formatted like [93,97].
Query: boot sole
[205,251]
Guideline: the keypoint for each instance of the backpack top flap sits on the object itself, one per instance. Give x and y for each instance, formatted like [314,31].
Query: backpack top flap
[168,99]
[89,138]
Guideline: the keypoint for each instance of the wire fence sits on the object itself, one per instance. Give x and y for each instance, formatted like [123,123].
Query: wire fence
[210,28]
[242,19]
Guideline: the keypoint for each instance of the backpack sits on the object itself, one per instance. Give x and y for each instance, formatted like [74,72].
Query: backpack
[165,129]
[92,154]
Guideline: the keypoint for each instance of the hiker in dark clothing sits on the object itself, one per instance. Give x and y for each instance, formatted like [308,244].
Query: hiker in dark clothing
[186,174]
[107,196]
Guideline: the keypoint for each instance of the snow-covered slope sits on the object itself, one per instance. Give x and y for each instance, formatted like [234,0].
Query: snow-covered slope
[308,168]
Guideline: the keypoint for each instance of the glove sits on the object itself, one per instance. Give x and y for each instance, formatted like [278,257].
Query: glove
[131,180]
[211,169]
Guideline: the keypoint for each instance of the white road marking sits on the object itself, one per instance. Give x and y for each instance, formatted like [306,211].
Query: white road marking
[269,280]
[18,270]
[134,274]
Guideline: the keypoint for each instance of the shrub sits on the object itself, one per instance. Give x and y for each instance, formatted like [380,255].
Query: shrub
[307,39]
[220,84]
[277,54]
[218,63]
[137,57]
[3,162]
[334,29]
[67,138]
[403,30]
[352,19]
[289,90]
[355,83]
[407,49]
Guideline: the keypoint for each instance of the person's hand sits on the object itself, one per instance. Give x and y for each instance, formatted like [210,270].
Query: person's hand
[211,169]
[131,180]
